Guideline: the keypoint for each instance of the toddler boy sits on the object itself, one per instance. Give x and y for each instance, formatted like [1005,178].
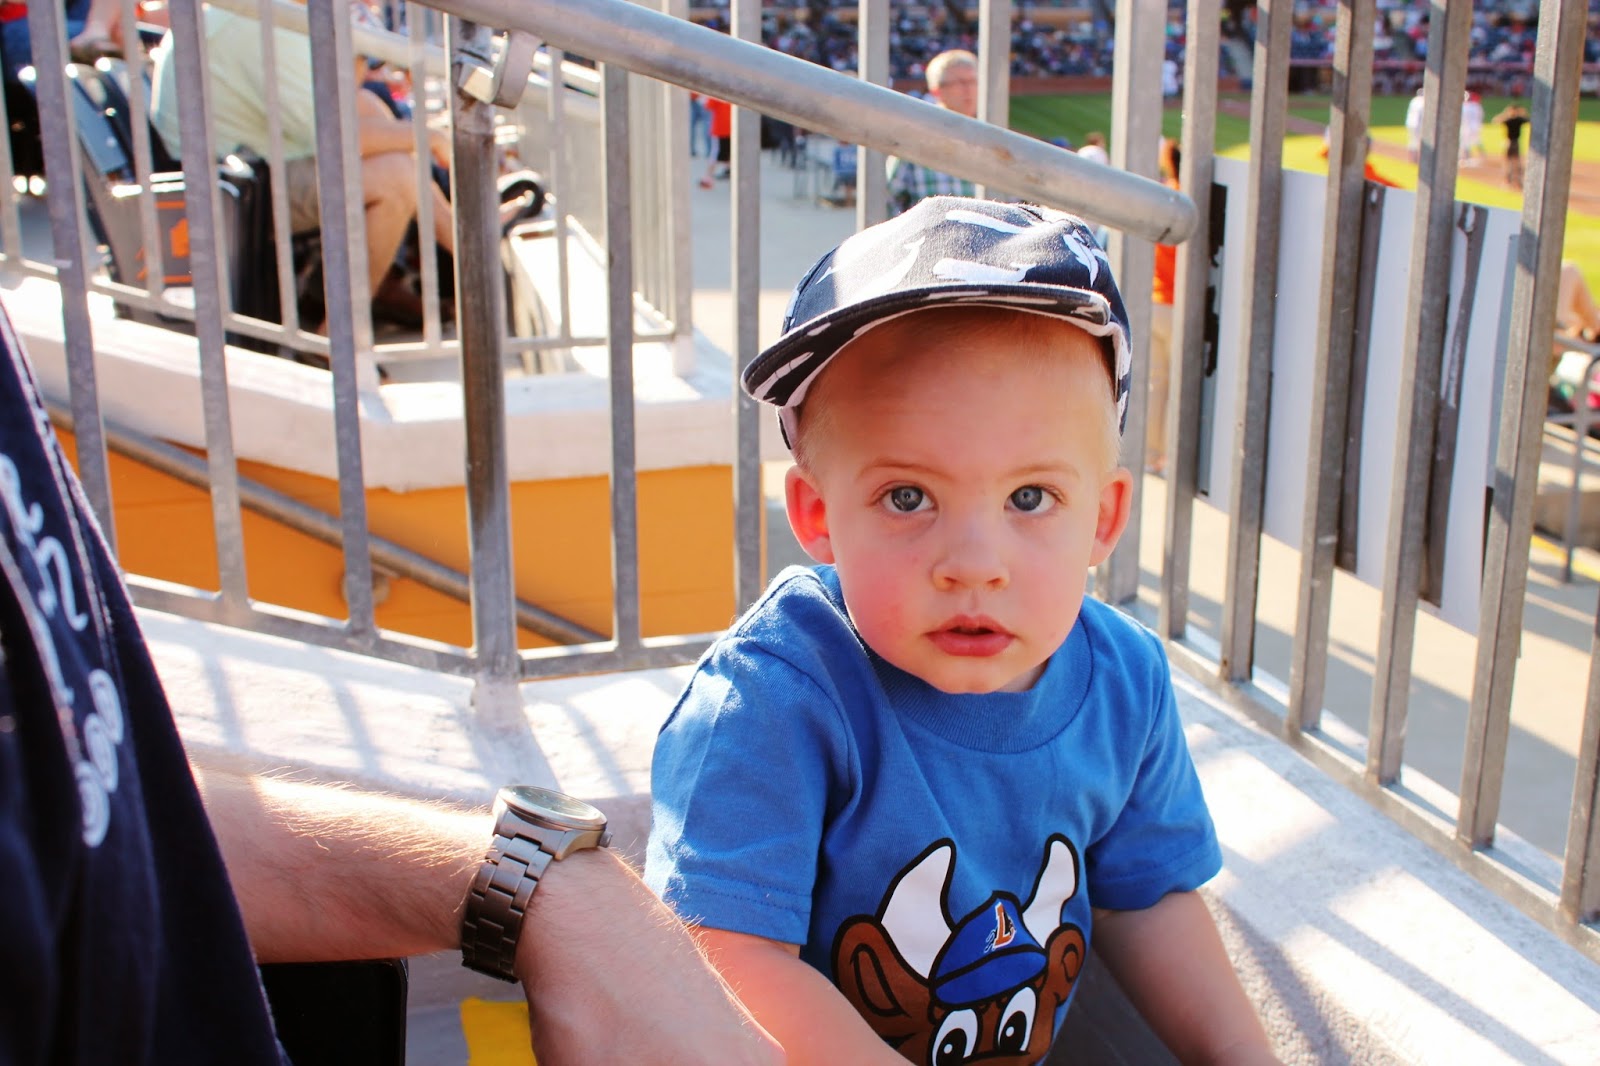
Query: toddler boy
[900,792]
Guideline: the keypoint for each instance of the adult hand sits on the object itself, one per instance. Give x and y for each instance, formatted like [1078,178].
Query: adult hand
[611,975]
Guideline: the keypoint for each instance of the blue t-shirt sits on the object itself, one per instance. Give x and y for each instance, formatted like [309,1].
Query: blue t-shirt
[120,941]
[935,855]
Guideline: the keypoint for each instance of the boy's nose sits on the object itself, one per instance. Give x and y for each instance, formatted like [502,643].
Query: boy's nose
[971,559]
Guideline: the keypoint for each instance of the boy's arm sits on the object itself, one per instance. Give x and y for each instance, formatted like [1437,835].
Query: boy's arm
[1171,963]
[793,1002]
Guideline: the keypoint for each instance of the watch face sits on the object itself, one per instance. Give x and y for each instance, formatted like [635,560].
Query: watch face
[533,802]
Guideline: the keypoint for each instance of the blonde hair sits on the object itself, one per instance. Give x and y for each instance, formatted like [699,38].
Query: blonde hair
[939,64]
[904,338]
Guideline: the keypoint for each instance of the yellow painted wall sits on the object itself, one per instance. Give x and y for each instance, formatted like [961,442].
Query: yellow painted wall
[561,540]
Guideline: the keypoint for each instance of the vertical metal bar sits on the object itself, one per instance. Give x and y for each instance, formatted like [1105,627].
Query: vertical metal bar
[679,218]
[748,503]
[282,239]
[560,176]
[1433,232]
[872,51]
[657,98]
[10,218]
[1556,68]
[1135,144]
[338,174]
[205,264]
[480,311]
[288,304]
[67,230]
[1192,273]
[1366,283]
[432,328]
[619,315]
[643,141]
[1330,398]
[994,67]
[1268,112]
[1580,874]
[138,109]
[1580,451]
[344,218]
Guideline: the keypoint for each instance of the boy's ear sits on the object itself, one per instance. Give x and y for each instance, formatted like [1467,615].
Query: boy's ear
[1116,496]
[808,514]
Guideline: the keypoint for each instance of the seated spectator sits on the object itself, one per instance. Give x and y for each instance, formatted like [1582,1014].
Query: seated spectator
[91,32]
[237,94]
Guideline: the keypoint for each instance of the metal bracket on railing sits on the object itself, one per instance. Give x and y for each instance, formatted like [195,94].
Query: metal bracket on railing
[503,80]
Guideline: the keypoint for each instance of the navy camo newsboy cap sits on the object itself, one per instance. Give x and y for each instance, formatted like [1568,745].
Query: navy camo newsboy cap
[944,251]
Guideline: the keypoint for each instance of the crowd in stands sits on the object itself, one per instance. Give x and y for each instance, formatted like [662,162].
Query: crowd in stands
[918,33]
[1503,33]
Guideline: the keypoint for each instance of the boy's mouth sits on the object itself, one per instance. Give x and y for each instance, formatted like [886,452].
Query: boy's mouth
[975,635]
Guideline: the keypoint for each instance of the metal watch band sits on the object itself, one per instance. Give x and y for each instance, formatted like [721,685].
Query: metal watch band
[497,901]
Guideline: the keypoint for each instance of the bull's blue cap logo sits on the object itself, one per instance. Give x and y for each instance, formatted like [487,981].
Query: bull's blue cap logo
[989,953]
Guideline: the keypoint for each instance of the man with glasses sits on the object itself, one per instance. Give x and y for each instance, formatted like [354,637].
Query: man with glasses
[953,85]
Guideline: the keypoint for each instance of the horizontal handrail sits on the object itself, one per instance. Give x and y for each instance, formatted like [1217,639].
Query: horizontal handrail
[856,112]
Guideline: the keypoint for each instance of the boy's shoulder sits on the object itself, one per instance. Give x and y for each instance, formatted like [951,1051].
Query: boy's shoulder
[1120,646]
[800,600]
[796,636]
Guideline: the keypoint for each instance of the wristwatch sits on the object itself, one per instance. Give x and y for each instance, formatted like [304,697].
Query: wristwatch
[533,827]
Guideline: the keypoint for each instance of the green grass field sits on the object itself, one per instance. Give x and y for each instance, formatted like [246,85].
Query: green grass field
[1075,116]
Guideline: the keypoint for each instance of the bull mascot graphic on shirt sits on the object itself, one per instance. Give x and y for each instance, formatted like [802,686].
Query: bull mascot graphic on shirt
[982,989]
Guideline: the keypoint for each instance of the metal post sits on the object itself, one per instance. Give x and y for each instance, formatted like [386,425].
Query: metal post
[1135,145]
[1268,112]
[1433,233]
[994,66]
[745,263]
[619,343]
[480,311]
[1330,402]
[432,326]
[65,201]
[1557,64]
[872,50]
[139,104]
[680,230]
[1580,875]
[1193,273]
[206,266]
[338,172]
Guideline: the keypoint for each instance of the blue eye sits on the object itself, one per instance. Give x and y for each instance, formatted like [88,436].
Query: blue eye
[906,498]
[1030,498]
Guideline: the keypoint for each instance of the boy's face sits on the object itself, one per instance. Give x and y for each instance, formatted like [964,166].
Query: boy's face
[963,489]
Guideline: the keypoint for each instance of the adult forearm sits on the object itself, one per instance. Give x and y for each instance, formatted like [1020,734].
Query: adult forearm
[323,873]
[610,974]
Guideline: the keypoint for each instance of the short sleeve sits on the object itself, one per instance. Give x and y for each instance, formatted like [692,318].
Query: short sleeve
[740,783]
[1163,839]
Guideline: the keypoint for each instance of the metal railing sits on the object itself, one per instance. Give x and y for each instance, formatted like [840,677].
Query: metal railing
[645,57]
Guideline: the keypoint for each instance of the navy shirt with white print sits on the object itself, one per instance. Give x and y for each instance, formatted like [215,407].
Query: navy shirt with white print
[120,941]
